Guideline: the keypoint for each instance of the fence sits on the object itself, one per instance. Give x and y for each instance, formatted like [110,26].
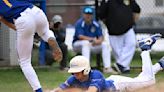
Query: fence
[70,10]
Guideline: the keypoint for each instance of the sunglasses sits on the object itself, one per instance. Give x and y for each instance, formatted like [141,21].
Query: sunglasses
[88,11]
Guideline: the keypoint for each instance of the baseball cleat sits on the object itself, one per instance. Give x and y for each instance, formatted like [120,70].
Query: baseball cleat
[146,43]
[161,62]
[120,69]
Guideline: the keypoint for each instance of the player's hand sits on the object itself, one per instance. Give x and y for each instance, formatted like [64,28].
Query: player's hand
[0,17]
[57,54]
[96,42]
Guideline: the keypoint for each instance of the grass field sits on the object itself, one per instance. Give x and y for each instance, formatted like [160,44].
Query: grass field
[12,79]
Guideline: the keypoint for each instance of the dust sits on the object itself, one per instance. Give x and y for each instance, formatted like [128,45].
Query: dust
[155,88]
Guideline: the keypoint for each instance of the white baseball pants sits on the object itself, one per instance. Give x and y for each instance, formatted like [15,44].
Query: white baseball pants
[31,21]
[123,47]
[144,79]
[86,48]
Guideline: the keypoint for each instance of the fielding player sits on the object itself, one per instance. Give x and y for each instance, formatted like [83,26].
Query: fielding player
[27,19]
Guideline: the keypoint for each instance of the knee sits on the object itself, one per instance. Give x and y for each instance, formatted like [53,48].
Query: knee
[86,43]
[151,81]
[25,63]
[79,45]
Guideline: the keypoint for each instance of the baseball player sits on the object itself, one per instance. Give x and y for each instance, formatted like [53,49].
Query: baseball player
[88,38]
[93,80]
[27,19]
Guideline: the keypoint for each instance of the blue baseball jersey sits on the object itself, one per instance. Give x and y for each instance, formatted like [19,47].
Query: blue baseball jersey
[91,30]
[96,79]
[11,9]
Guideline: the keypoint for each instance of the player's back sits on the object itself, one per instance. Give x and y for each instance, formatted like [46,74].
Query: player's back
[10,9]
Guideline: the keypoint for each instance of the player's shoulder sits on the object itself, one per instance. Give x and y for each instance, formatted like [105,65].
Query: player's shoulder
[79,21]
[71,79]
[96,73]
[96,23]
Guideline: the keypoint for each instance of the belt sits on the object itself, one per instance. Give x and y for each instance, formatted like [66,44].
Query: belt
[18,15]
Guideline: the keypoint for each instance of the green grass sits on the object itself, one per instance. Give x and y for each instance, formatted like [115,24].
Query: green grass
[13,80]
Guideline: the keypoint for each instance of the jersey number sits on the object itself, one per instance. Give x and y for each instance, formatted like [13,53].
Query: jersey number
[7,3]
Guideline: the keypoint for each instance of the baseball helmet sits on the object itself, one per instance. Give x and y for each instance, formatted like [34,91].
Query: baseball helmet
[57,18]
[79,64]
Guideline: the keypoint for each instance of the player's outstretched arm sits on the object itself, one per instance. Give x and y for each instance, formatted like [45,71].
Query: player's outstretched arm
[7,23]
[57,53]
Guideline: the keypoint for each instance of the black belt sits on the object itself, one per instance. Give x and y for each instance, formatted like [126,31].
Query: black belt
[18,15]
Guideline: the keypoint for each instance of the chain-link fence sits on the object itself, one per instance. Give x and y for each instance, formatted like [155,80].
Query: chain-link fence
[152,12]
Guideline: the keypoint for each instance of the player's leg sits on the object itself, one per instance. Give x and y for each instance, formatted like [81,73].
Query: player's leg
[116,47]
[46,34]
[147,71]
[120,82]
[145,45]
[25,31]
[125,55]
[84,47]
[106,56]
[121,50]
[146,77]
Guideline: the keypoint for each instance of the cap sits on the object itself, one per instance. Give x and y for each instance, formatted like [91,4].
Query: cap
[88,10]
[57,18]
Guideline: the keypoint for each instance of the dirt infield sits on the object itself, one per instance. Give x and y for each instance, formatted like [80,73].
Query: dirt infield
[69,90]
[155,88]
